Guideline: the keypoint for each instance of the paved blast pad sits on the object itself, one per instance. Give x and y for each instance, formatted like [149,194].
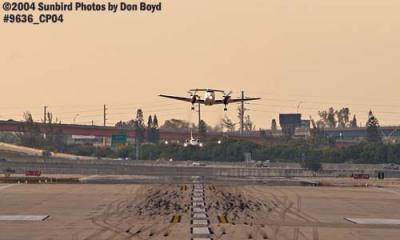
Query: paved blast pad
[201,231]
[198,195]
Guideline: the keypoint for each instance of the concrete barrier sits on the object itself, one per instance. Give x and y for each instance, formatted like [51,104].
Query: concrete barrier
[125,168]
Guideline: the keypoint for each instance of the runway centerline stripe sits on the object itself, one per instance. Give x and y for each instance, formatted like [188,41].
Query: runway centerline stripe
[199,217]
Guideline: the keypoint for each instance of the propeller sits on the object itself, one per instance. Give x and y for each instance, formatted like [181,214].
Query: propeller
[227,94]
[226,97]
[194,97]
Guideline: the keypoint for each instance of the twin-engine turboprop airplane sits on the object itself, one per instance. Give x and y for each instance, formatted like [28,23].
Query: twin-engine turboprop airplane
[209,97]
[193,141]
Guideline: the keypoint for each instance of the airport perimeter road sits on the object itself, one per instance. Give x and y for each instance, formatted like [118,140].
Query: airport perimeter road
[91,211]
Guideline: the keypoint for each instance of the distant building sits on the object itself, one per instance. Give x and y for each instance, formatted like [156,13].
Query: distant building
[303,130]
[305,124]
[289,122]
[83,139]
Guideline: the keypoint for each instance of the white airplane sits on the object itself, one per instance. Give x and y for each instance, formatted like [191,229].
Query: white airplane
[209,97]
[192,141]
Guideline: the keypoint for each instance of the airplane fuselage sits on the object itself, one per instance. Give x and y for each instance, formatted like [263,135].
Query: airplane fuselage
[209,98]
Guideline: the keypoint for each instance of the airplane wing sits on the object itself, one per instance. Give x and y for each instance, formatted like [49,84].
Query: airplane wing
[198,90]
[236,100]
[243,100]
[185,99]
[205,90]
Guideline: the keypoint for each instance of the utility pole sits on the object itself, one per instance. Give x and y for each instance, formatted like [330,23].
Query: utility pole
[74,119]
[199,118]
[138,144]
[44,120]
[105,122]
[241,114]
[105,115]
[137,151]
[44,114]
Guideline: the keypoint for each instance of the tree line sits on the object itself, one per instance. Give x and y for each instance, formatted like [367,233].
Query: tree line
[30,134]
[318,148]
[150,133]
[233,150]
[341,118]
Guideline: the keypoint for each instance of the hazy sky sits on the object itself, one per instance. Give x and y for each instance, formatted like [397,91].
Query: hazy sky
[321,53]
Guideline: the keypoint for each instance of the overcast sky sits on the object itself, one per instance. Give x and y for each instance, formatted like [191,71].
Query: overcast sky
[342,53]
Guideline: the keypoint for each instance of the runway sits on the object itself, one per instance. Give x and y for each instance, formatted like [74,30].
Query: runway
[150,211]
